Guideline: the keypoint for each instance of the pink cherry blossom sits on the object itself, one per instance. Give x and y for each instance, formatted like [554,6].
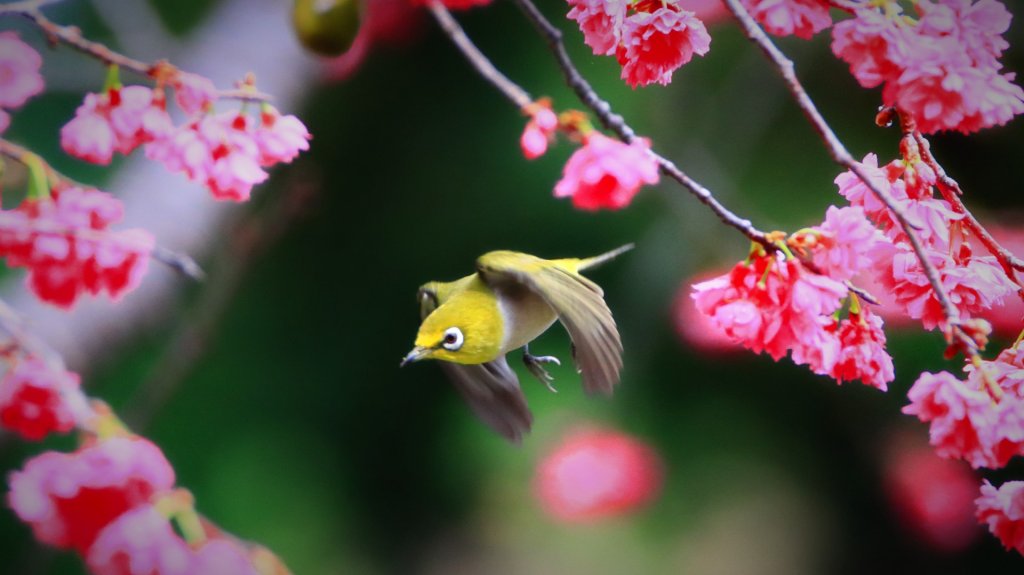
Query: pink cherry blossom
[709,11]
[943,69]
[33,399]
[194,94]
[933,497]
[593,474]
[280,138]
[539,132]
[776,306]
[701,332]
[142,542]
[606,173]
[654,44]
[601,23]
[862,352]
[965,422]
[119,120]
[802,18]
[1002,510]
[19,71]
[847,243]
[66,244]
[68,498]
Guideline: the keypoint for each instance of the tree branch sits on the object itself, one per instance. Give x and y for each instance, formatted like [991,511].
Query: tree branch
[601,109]
[841,156]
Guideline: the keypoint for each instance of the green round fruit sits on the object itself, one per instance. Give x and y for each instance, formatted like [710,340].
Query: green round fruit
[327,27]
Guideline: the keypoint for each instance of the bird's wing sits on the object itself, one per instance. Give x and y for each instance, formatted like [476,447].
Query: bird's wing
[491,389]
[579,305]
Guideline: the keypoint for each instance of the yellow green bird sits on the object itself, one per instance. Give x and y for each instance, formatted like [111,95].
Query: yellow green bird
[470,325]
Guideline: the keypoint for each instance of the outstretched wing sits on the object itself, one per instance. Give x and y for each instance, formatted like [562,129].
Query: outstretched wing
[491,389]
[579,304]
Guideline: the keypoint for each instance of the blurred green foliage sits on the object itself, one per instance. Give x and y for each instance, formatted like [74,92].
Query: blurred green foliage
[298,430]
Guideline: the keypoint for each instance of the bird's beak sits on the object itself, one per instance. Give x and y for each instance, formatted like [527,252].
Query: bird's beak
[416,354]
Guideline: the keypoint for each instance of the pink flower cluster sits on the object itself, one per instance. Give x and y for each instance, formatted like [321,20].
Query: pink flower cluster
[649,38]
[19,75]
[593,474]
[102,502]
[775,304]
[225,152]
[800,18]
[606,173]
[1002,510]
[942,69]
[65,243]
[33,399]
[965,421]
[974,283]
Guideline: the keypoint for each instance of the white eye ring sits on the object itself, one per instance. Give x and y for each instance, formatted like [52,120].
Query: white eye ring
[452,339]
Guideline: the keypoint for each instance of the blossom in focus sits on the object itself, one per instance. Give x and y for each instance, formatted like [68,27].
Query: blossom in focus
[539,131]
[143,542]
[32,399]
[942,69]
[19,71]
[650,39]
[654,44]
[1002,510]
[606,173]
[862,353]
[965,421]
[800,18]
[68,498]
[775,305]
[593,473]
[68,248]
[847,243]
[933,497]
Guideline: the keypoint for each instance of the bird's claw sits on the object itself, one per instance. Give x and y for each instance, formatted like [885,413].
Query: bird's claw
[534,363]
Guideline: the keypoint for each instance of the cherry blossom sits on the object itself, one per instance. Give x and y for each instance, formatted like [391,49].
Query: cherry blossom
[142,542]
[278,138]
[1002,510]
[862,353]
[601,23]
[942,69]
[606,173]
[539,131]
[698,330]
[654,44]
[32,399]
[68,498]
[594,473]
[802,18]
[19,71]
[193,93]
[847,243]
[66,244]
[965,421]
[120,120]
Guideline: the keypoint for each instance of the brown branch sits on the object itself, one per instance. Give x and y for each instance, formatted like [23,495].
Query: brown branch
[841,156]
[952,193]
[601,109]
[72,36]
[179,262]
[510,89]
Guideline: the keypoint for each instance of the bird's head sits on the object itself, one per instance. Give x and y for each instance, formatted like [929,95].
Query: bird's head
[459,334]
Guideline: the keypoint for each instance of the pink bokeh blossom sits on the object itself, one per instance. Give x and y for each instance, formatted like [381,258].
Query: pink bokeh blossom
[800,18]
[19,71]
[1002,510]
[32,399]
[539,132]
[606,173]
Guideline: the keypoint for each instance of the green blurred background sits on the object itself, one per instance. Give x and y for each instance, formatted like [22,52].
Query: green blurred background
[297,429]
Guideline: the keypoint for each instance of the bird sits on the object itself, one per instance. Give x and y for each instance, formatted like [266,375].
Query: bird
[472,323]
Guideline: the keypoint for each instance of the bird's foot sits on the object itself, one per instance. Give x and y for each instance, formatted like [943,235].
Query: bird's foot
[535,363]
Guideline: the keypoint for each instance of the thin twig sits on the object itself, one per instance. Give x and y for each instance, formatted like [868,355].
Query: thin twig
[841,156]
[512,91]
[601,109]
[951,191]
[72,36]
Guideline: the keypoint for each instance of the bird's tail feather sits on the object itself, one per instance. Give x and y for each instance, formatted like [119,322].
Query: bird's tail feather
[587,263]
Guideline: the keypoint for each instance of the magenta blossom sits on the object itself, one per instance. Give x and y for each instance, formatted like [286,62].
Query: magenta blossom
[1002,510]
[19,71]
[606,173]
[800,18]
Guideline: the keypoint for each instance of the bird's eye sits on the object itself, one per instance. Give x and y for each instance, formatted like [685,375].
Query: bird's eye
[452,339]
